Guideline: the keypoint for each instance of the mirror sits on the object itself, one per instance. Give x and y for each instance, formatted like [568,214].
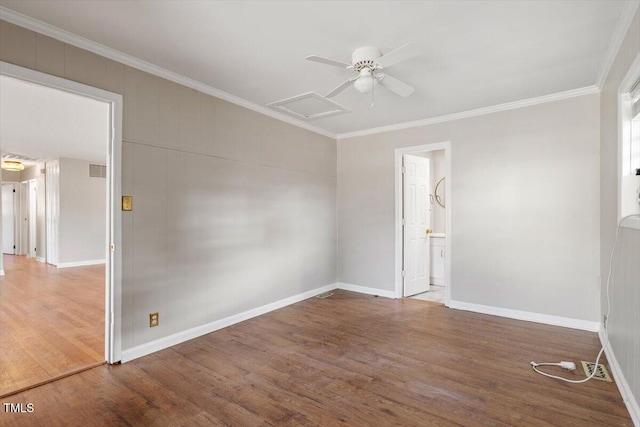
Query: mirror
[440,192]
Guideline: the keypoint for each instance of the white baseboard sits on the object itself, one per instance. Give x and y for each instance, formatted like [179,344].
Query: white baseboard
[625,391]
[177,338]
[1,272]
[437,281]
[40,259]
[585,325]
[365,290]
[80,263]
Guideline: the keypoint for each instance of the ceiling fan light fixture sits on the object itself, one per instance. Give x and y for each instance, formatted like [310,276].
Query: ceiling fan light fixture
[365,82]
[12,166]
[369,60]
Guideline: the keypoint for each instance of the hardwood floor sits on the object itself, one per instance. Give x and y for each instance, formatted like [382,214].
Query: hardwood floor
[51,321]
[349,359]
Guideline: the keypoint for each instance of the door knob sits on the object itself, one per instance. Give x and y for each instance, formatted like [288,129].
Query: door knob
[429,231]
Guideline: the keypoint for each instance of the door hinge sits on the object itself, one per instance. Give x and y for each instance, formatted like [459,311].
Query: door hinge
[14,190]
[402,273]
[404,222]
[403,170]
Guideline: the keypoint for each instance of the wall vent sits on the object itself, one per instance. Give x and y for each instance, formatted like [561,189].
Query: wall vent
[97,171]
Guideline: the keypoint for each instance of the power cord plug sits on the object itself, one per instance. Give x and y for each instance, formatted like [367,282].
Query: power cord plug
[568,365]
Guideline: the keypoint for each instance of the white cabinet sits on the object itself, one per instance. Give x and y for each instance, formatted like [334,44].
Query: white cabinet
[437,259]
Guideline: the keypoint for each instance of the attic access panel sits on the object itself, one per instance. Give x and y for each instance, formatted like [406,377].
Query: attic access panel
[309,106]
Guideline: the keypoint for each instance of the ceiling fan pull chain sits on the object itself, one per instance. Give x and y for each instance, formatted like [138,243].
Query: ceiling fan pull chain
[373,85]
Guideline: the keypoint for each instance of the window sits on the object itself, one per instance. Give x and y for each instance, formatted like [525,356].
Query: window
[629,119]
[634,149]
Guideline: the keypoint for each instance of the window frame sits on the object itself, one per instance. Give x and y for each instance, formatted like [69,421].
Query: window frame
[625,173]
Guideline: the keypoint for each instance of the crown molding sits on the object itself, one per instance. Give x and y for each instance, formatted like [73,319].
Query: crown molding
[86,44]
[628,13]
[473,113]
[99,49]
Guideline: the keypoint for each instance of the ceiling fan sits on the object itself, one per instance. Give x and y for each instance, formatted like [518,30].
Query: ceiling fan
[368,63]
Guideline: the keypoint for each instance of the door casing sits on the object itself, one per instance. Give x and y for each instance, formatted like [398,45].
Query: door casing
[113,280]
[399,153]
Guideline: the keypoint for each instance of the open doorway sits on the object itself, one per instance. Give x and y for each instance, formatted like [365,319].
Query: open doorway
[423,222]
[60,305]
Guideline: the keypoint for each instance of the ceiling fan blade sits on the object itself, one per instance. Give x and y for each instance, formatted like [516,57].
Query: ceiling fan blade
[327,61]
[404,52]
[341,87]
[395,85]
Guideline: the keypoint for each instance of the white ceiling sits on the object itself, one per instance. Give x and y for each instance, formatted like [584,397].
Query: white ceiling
[44,123]
[476,53]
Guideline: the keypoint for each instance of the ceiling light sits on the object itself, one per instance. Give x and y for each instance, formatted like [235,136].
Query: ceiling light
[364,84]
[12,166]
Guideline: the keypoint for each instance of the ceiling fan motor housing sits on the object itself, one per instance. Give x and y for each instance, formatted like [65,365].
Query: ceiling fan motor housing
[365,57]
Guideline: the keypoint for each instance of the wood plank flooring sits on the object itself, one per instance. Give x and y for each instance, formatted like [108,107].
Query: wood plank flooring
[349,359]
[51,321]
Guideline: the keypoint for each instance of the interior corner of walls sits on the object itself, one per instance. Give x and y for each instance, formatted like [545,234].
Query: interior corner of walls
[528,316]
[366,290]
[631,402]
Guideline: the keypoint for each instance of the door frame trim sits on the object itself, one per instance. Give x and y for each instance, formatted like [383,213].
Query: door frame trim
[113,270]
[399,153]
[16,217]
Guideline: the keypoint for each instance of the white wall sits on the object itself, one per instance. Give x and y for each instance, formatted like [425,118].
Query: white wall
[83,213]
[624,321]
[525,219]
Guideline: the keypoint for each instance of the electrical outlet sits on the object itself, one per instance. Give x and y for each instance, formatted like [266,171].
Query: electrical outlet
[154,319]
[604,322]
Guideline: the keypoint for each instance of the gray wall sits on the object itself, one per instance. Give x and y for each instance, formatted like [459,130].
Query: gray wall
[624,321]
[525,219]
[82,219]
[9,176]
[232,209]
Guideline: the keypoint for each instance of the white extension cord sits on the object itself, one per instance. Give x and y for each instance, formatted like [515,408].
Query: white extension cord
[570,365]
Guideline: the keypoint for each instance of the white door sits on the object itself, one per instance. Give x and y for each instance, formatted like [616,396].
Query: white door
[417,224]
[8,219]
